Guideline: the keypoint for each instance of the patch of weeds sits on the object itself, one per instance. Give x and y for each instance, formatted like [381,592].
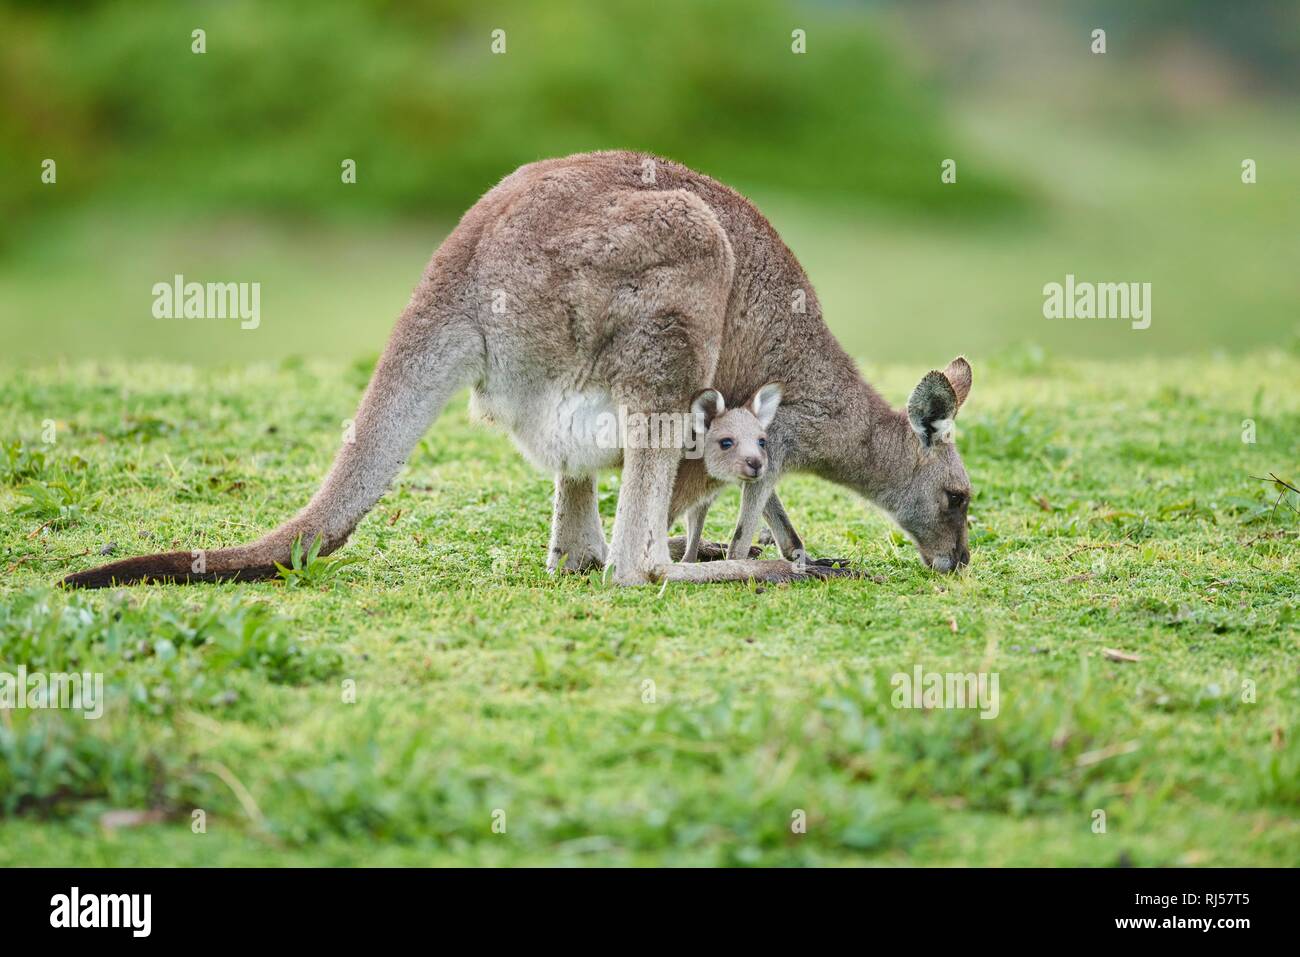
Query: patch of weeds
[1043,750]
[1287,498]
[781,797]
[253,638]
[21,463]
[1250,510]
[223,481]
[379,777]
[56,504]
[1277,773]
[160,660]
[1132,526]
[1184,694]
[313,568]
[568,673]
[1187,508]
[50,763]
[143,428]
[647,788]
[1211,618]
[43,633]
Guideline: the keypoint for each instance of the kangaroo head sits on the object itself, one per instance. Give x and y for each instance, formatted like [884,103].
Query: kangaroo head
[735,440]
[931,490]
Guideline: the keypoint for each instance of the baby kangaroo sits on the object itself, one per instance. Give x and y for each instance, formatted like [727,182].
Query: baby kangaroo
[735,450]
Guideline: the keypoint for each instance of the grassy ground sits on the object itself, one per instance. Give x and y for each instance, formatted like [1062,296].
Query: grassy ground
[1114,508]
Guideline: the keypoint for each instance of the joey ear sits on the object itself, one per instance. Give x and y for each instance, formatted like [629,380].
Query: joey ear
[958,374]
[765,403]
[708,405]
[932,407]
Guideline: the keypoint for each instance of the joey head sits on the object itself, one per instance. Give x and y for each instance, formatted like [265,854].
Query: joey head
[735,448]
[735,440]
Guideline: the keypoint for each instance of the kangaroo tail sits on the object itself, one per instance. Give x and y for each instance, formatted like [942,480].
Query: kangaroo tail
[427,360]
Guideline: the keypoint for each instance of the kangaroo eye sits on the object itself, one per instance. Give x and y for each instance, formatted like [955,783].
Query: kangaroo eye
[956,499]
[762,443]
[726,443]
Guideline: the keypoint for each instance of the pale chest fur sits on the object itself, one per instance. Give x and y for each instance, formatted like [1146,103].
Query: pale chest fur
[557,428]
[575,432]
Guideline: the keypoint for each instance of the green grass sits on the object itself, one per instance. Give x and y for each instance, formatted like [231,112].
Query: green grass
[383,712]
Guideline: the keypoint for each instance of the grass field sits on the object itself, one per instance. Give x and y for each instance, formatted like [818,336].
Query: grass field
[1114,508]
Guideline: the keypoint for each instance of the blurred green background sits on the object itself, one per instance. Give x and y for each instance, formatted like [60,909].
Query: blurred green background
[225,166]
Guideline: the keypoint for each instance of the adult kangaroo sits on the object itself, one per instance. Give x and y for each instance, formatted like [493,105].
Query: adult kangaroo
[579,285]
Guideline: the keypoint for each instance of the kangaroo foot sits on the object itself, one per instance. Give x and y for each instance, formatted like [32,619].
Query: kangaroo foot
[827,562]
[577,560]
[771,571]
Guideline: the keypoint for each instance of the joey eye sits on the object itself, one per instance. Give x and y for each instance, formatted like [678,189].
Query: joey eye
[762,443]
[726,443]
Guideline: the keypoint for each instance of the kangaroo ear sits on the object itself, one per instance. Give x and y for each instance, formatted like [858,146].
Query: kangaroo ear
[932,407]
[707,406]
[958,375]
[765,403]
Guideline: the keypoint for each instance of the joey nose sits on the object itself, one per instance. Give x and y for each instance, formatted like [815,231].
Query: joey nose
[754,465]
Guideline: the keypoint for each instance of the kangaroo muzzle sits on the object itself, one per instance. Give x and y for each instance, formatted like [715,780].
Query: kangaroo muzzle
[958,558]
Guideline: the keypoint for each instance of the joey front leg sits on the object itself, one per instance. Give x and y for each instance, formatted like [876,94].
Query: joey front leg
[694,529]
[692,548]
[752,499]
[577,538]
[787,539]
